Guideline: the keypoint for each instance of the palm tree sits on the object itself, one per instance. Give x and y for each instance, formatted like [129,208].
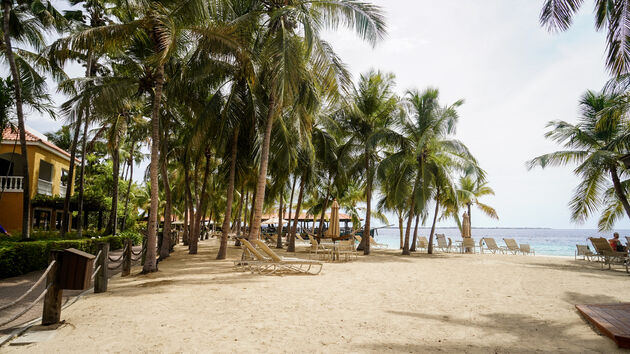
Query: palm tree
[292,55]
[596,144]
[369,117]
[557,15]
[468,193]
[23,22]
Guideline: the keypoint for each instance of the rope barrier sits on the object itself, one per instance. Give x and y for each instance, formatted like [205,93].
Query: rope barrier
[139,252]
[28,307]
[116,267]
[31,289]
[120,257]
[95,272]
[97,256]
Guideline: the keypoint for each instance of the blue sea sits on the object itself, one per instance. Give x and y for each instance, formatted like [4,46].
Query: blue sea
[551,242]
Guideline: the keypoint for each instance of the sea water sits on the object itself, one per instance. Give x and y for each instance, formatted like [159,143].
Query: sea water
[551,242]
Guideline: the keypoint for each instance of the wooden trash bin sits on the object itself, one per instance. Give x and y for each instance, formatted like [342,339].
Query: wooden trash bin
[76,270]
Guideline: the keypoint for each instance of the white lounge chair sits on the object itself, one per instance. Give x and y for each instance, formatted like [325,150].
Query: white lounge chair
[584,252]
[442,244]
[277,263]
[525,249]
[511,246]
[491,245]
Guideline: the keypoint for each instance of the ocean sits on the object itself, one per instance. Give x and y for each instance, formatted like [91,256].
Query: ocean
[550,242]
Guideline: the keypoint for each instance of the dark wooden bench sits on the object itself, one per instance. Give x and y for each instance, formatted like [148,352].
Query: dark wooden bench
[612,320]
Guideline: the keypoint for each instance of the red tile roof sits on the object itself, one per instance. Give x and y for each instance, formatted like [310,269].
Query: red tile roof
[8,134]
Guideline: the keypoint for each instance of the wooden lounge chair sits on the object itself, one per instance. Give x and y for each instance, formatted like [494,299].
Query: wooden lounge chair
[442,244]
[584,252]
[422,243]
[251,258]
[610,256]
[319,250]
[467,244]
[491,245]
[525,249]
[511,245]
[294,265]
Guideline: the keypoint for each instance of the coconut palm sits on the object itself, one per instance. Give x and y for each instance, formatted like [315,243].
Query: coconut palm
[369,117]
[596,144]
[470,190]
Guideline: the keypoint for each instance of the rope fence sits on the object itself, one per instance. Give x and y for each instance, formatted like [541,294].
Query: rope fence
[30,306]
[39,281]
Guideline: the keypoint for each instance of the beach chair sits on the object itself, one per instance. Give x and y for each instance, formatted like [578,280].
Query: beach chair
[293,265]
[346,248]
[467,244]
[511,245]
[491,245]
[319,250]
[584,252]
[525,249]
[610,256]
[442,244]
[301,240]
[251,258]
[375,244]
[422,243]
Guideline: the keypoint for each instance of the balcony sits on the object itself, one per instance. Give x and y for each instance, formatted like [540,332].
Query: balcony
[11,183]
[44,187]
[62,190]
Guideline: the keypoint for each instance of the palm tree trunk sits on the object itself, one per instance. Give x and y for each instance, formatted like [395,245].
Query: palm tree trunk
[168,207]
[320,232]
[298,207]
[239,214]
[88,73]
[187,214]
[254,231]
[70,183]
[280,218]
[621,195]
[437,207]
[150,265]
[415,235]
[400,229]
[230,195]
[251,214]
[124,220]
[368,207]
[412,209]
[113,213]
[291,206]
[26,187]
[201,207]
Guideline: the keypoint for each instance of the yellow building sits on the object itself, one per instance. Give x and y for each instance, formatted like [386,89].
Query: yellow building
[48,169]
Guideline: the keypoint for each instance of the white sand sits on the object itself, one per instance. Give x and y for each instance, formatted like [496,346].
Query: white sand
[380,303]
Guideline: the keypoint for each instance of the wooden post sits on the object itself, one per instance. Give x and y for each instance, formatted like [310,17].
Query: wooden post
[52,300]
[100,281]
[126,267]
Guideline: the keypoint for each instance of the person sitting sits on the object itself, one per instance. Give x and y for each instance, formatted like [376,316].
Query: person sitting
[615,243]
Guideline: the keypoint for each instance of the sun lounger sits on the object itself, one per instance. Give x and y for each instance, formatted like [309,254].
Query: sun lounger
[467,245]
[491,245]
[251,258]
[511,245]
[525,249]
[422,243]
[346,248]
[295,265]
[442,244]
[584,252]
[320,250]
[610,256]
[375,244]
[300,239]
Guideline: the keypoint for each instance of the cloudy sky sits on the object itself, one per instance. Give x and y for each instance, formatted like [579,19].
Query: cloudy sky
[514,76]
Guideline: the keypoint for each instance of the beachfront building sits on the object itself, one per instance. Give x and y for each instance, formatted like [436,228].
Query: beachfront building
[48,169]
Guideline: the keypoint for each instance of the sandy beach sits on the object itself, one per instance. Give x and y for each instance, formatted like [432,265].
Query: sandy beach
[382,303]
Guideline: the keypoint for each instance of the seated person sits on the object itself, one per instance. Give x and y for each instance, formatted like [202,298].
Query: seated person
[615,243]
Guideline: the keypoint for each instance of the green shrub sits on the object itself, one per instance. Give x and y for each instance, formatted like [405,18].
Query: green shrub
[18,258]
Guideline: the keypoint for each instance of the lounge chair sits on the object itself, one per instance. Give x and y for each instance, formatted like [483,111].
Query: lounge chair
[346,248]
[319,250]
[442,244]
[525,249]
[300,239]
[610,256]
[491,245]
[511,245]
[422,243]
[251,258]
[296,265]
[584,252]
[467,244]
[375,244]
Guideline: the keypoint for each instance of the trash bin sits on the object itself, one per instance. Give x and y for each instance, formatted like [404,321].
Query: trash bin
[76,270]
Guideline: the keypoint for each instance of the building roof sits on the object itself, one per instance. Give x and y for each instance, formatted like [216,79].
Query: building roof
[9,136]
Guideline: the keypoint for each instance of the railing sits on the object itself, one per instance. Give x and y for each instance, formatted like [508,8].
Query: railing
[11,183]
[62,190]
[44,187]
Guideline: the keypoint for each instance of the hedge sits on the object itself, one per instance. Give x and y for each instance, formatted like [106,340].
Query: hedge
[17,258]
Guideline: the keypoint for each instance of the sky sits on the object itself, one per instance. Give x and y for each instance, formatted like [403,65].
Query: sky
[514,77]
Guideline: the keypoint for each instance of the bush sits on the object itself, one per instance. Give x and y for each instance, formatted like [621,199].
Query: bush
[18,258]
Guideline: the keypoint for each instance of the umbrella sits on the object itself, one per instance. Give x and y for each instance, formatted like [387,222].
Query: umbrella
[466,225]
[333,229]
[275,221]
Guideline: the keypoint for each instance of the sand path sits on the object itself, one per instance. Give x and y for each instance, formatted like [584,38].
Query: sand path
[380,303]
